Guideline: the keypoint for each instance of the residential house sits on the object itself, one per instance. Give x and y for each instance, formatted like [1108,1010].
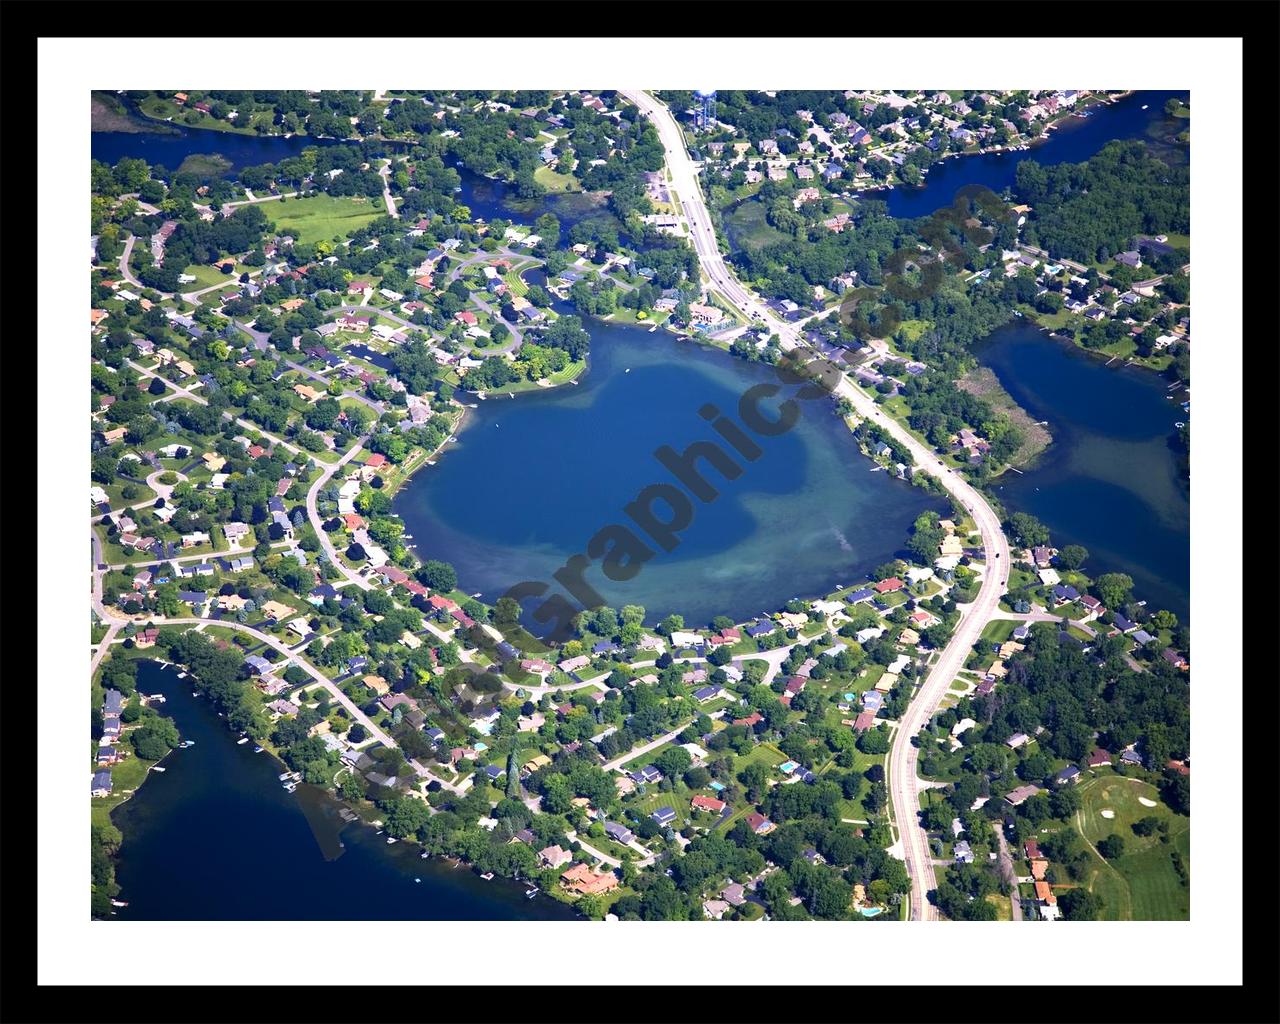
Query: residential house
[582,880]
[553,856]
[619,832]
[100,785]
[1068,775]
[647,774]
[1019,796]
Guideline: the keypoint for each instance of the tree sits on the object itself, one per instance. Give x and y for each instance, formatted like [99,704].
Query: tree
[1073,556]
[1080,904]
[874,741]
[439,576]
[1027,530]
[406,816]
[154,738]
[1113,588]
[673,761]
[1146,826]
[1112,846]
[352,787]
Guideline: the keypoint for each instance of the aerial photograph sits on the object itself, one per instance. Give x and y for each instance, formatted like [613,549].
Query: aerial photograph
[639,505]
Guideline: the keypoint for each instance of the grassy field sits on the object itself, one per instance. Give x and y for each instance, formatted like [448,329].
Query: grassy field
[748,229]
[998,631]
[553,181]
[515,285]
[126,776]
[322,218]
[205,276]
[1141,884]
[205,165]
[983,382]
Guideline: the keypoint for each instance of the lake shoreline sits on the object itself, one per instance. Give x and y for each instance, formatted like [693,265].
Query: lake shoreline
[1030,146]
[319,808]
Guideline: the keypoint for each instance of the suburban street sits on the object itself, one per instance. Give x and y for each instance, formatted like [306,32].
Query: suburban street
[317,521]
[653,744]
[904,784]
[114,622]
[385,172]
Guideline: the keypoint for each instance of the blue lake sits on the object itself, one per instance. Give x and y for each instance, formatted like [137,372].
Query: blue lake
[1111,480]
[487,198]
[215,838]
[1073,141]
[531,479]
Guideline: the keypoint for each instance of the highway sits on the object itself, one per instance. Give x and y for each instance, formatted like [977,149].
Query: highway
[904,783]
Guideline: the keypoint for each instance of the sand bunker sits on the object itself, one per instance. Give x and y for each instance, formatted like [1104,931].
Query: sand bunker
[1108,813]
[1147,803]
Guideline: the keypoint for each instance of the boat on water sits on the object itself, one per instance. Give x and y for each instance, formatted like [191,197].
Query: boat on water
[425,855]
[1144,106]
[258,750]
[487,876]
[242,740]
[119,903]
[156,698]
[289,787]
[182,675]
[653,328]
[390,840]
[530,893]
[627,370]
[156,768]
[1179,424]
[419,880]
[285,776]
[194,694]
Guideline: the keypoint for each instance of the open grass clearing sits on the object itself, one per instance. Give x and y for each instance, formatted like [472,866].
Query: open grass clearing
[323,217]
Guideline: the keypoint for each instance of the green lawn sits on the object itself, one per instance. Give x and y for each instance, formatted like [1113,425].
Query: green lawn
[748,229]
[1141,884]
[515,285]
[322,218]
[553,181]
[206,276]
[126,776]
[998,631]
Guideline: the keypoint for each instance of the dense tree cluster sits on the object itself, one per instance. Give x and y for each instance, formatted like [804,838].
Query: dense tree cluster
[1091,211]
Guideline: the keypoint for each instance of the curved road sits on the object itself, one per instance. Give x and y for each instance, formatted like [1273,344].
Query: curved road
[904,783]
[317,521]
[114,622]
